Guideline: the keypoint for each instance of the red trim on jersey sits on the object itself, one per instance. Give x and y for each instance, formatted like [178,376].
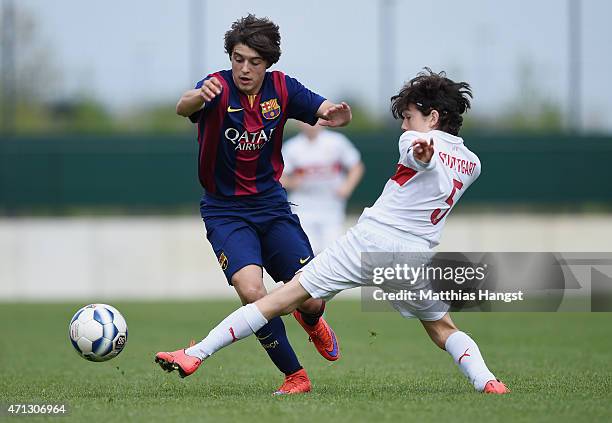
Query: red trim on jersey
[251,116]
[246,160]
[403,174]
[209,138]
[280,85]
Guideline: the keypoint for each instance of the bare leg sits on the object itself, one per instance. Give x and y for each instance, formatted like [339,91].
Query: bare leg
[464,351]
[440,330]
[248,283]
[284,300]
[251,318]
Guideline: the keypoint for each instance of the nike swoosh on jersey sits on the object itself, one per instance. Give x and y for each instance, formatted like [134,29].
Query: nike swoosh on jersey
[230,110]
[303,261]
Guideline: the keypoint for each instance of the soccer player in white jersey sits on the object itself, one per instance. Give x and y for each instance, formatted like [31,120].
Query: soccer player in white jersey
[434,170]
[322,168]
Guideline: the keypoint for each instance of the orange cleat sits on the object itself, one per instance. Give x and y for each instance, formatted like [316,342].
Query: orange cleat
[322,336]
[295,383]
[495,387]
[178,360]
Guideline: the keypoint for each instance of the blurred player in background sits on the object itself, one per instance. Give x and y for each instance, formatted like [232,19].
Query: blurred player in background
[322,168]
[435,168]
[240,116]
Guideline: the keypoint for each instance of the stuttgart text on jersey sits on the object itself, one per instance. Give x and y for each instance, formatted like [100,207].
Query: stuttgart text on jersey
[460,165]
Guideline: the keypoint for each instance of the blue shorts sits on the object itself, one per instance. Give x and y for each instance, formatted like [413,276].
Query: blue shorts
[261,231]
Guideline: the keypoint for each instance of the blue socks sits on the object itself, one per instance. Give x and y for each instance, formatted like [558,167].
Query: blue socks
[273,338]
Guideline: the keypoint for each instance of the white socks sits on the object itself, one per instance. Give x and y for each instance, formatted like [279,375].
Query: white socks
[248,319]
[240,324]
[467,356]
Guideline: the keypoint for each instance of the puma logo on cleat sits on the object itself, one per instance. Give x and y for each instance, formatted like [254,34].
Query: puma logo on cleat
[465,354]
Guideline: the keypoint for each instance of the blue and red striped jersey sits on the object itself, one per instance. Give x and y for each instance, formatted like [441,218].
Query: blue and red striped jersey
[240,143]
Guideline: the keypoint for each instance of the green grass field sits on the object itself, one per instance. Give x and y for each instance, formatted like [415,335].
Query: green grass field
[559,367]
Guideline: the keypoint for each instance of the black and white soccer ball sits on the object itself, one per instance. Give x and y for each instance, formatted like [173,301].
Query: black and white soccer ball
[98,332]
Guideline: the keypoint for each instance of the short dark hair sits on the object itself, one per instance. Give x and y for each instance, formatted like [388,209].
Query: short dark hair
[260,34]
[434,91]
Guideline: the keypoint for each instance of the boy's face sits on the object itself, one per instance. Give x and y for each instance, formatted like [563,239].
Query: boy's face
[248,69]
[414,120]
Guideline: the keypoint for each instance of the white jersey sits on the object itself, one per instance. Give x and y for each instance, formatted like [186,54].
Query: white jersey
[322,164]
[418,198]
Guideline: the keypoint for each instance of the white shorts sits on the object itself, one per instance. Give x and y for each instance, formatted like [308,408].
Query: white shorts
[339,267]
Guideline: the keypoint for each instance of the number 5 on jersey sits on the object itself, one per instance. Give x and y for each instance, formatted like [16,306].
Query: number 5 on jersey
[437,214]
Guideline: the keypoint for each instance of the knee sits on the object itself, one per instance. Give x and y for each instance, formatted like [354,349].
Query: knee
[288,308]
[311,306]
[249,291]
[250,295]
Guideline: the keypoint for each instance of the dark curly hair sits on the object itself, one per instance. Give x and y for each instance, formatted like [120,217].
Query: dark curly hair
[260,34]
[434,91]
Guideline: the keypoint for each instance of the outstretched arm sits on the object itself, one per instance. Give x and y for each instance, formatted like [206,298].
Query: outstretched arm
[193,100]
[334,115]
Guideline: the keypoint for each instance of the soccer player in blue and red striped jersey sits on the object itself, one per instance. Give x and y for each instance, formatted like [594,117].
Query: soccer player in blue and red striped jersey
[408,219]
[240,116]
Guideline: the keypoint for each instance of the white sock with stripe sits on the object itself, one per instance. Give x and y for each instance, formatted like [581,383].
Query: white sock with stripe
[241,323]
[467,356]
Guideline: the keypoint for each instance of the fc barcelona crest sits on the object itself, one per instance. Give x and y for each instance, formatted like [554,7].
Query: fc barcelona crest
[270,109]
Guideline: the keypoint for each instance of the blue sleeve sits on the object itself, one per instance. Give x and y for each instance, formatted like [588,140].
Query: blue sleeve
[195,117]
[302,103]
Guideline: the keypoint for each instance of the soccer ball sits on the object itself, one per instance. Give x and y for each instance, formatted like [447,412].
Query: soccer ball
[98,332]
